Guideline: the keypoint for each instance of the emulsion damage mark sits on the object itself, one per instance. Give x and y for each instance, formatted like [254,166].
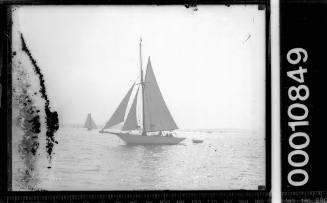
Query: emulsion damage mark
[52,122]
[29,121]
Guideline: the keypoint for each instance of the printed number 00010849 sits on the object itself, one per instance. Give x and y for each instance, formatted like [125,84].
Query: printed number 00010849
[298,94]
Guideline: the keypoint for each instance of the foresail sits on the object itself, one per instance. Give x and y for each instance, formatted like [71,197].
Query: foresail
[131,120]
[157,115]
[119,114]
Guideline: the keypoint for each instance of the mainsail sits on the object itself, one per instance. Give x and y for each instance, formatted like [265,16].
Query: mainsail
[119,114]
[157,115]
[89,123]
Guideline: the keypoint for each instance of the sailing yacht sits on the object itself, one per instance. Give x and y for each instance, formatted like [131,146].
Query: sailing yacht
[89,123]
[155,120]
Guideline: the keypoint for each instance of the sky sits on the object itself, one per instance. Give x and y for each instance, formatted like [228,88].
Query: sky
[209,63]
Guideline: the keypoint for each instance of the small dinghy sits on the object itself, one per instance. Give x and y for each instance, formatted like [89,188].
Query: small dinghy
[197,141]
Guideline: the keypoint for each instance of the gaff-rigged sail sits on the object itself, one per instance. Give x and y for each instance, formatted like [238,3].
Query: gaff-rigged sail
[119,114]
[156,113]
[89,123]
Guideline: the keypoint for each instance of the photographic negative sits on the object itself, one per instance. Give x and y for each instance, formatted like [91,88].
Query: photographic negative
[139,98]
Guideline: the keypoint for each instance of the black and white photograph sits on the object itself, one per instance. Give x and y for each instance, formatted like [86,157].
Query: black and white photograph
[147,97]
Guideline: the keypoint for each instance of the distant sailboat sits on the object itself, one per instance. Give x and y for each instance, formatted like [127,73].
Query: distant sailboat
[156,118]
[89,123]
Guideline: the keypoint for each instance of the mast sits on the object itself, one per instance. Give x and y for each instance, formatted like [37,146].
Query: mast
[142,92]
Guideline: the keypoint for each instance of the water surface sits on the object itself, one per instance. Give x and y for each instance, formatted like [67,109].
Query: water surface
[88,160]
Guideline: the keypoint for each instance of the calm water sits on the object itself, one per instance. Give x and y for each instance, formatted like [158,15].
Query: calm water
[88,160]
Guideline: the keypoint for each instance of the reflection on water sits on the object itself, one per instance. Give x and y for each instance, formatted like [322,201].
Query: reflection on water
[88,160]
[150,162]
